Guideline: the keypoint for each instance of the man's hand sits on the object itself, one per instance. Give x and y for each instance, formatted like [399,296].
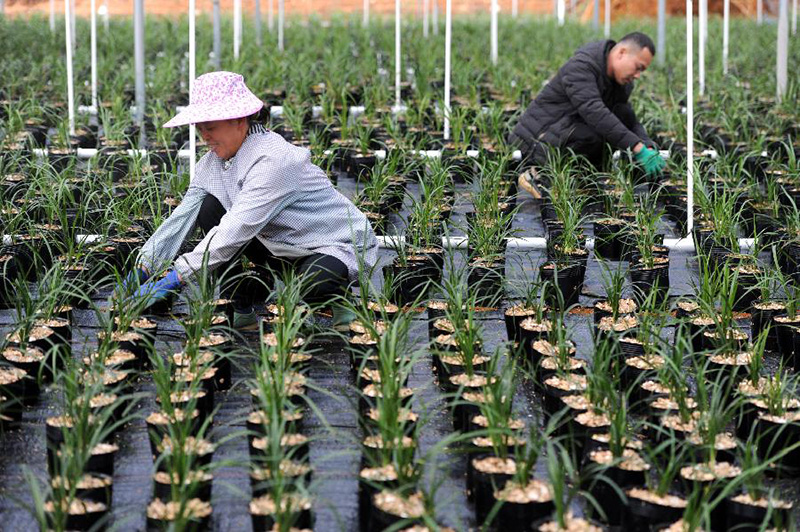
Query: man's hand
[156,291]
[650,160]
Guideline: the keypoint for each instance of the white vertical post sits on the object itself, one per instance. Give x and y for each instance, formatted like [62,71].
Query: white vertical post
[271,17]
[783,48]
[365,14]
[237,27]
[794,17]
[53,15]
[436,17]
[596,15]
[726,35]
[760,11]
[689,116]
[607,27]
[106,14]
[515,8]
[397,51]
[70,86]
[138,50]
[448,37]
[72,19]
[93,30]
[426,20]
[192,67]
[561,12]
[662,32]
[217,34]
[258,23]
[280,24]
[495,8]
[702,44]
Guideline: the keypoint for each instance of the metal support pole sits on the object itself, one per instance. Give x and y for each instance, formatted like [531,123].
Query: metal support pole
[561,12]
[426,19]
[397,53]
[760,11]
[93,19]
[70,82]
[138,49]
[689,116]
[794,17]
[217,35]
[607,28]
[192,69]
[72,23]
[436,17]
[493,30]
[448,37]
[515,8]
[662,32]
[596,15]
[258,23]
[237,27]
[280,24]
[783,48]
[702,44]
[726,34]
[365,14]
[271,17]
[53,15]
[106,15]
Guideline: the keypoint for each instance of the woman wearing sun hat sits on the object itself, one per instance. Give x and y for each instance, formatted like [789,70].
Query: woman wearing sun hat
[256,194]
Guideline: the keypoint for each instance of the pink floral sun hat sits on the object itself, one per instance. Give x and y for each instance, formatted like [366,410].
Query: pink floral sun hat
[217,96]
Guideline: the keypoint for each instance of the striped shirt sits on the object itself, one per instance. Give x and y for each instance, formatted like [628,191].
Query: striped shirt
[273,192]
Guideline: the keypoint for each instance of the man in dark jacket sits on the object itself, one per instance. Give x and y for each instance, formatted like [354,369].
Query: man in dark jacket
[585,107]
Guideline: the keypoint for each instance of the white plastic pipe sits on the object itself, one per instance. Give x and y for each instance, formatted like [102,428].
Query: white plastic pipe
[258,22]
[271,17]
[662,31]
[192,68]
[760,11]
[397,52]
[689,116]
[72,18]
[436,17]
[726,35]
[703,11]
[794,17]
[448,36]
[138,52]
[237,27]
[70,82]
[426,20]
[515,8]
[494,8]
[365,14]
[607,25]
[561,12]
[106,14]
[94,53]
[217,29]
[52,15]
[783,48]
[280,24]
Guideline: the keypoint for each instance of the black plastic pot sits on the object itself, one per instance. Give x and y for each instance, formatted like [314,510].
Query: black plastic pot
[646,280]
[486,282]
[751,518]
[607,240]
[761,318]
[642,516]
[565,279]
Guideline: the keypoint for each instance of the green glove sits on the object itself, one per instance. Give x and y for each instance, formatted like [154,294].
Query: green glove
[650,160]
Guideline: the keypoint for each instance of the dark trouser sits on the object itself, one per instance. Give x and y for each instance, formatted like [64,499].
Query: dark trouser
[329,275]
[581,139]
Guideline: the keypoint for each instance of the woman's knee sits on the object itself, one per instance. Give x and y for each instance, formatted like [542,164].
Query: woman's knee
[211,212]
[328,277]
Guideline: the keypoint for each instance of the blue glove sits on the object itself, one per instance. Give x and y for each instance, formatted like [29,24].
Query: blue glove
[134,279]
[650,160]
[156,291]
